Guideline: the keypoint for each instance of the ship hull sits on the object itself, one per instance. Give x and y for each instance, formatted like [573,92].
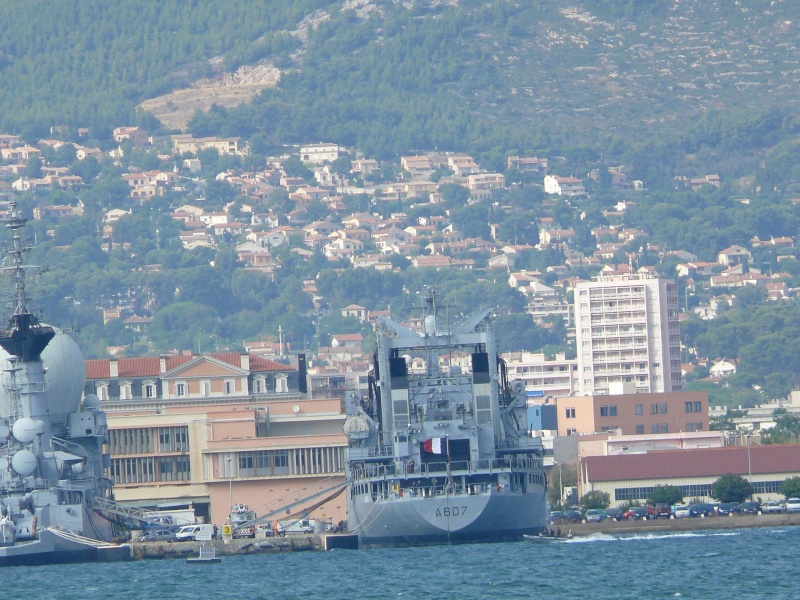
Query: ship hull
[461,519]
[53,548]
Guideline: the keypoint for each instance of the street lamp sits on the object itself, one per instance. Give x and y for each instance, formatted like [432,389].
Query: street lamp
[749,467]
[230,484]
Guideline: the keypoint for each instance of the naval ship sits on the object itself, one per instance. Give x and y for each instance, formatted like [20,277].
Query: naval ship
[439,450]
[51,441]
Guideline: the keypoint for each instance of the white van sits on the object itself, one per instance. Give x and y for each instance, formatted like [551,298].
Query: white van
[199,531]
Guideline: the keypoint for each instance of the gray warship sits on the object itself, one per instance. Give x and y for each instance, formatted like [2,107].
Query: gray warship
[51,442]
[439,450]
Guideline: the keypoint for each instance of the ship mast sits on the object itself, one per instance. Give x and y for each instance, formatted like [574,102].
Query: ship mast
[24,337]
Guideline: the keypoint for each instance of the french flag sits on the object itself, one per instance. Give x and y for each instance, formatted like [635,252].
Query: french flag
[435,445]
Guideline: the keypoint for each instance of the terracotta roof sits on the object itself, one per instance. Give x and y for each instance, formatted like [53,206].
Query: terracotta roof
[150,366]
[704,462]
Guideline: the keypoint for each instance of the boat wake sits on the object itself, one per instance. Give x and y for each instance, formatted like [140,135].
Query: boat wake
[629,537]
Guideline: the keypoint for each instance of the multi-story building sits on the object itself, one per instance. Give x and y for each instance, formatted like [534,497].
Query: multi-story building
[633,414]
[542,376]
[627,334]
[319,154]
[217,430]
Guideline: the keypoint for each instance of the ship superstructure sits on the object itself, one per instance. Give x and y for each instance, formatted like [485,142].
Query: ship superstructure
[51,442]
[439,451]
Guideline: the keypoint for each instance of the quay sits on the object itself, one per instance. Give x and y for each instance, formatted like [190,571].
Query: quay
[238,547]
[683,524]
[323,542]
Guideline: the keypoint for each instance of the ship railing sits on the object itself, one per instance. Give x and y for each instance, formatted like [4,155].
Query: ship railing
[411,469]
[442,490]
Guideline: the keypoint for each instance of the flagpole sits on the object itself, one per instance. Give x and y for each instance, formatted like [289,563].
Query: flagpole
[449,475]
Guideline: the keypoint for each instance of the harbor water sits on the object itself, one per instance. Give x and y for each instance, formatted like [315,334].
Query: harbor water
[742,563]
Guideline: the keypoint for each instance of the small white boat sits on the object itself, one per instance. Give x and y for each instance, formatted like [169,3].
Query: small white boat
[547,539]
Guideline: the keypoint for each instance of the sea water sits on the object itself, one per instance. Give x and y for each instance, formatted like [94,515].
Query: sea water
[745,563]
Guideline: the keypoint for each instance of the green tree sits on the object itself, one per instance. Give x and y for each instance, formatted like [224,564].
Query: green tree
[731,488]
[791,487]
[786,430]
[665,494]
[453,195]
[558,478]
[33,168]
[595,499]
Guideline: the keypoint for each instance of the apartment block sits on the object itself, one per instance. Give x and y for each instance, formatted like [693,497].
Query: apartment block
[627,335]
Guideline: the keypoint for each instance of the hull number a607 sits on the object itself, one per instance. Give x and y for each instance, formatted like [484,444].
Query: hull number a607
[451,511]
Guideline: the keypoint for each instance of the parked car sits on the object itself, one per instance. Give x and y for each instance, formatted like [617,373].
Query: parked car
[724,509]
[662,510]
[771,507]
[573,516]
[793,505]
[190,533]
[748,508]
[158,535]
[680,511]
[638,512]
[594,515]
[556,517]
[702,509]
[614,514]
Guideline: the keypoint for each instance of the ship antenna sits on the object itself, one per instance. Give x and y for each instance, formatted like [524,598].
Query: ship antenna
[15,222]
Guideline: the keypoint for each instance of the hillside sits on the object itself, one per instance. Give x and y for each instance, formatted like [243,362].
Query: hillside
[390,78]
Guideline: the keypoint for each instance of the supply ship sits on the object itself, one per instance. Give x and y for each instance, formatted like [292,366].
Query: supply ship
[439,450]
[51,441]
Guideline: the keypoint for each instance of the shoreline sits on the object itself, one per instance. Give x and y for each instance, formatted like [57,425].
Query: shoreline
[317,542]
[683,524]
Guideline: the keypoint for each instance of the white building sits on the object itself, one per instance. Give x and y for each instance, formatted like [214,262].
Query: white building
[563,186]
[542,376]
[319,154]
[627,335]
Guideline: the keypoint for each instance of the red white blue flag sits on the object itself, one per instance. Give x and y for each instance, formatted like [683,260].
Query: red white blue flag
[435,445]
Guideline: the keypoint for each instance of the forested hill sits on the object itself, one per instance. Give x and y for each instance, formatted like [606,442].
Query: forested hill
[392,77]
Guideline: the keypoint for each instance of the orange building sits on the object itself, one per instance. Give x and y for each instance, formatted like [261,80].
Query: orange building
[206,431]
[633,414]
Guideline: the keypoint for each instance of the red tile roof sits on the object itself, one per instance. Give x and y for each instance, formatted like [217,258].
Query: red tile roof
[705,462]
[150,366]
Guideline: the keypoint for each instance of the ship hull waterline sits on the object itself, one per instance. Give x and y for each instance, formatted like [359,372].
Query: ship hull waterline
[52,549]
[461,519]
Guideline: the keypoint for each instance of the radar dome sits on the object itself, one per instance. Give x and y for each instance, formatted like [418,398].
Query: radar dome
[25,429]
[65,375]
[24,462]
[91,402]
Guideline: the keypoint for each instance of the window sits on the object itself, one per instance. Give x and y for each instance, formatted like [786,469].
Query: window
[572,431]
[639,429]
[662,408]
[698,407]
[638,409]
[688,406]
[659,428]
[654,408]
[608,411]
[570,413]
[149,390]
[180,389]
[229,387]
